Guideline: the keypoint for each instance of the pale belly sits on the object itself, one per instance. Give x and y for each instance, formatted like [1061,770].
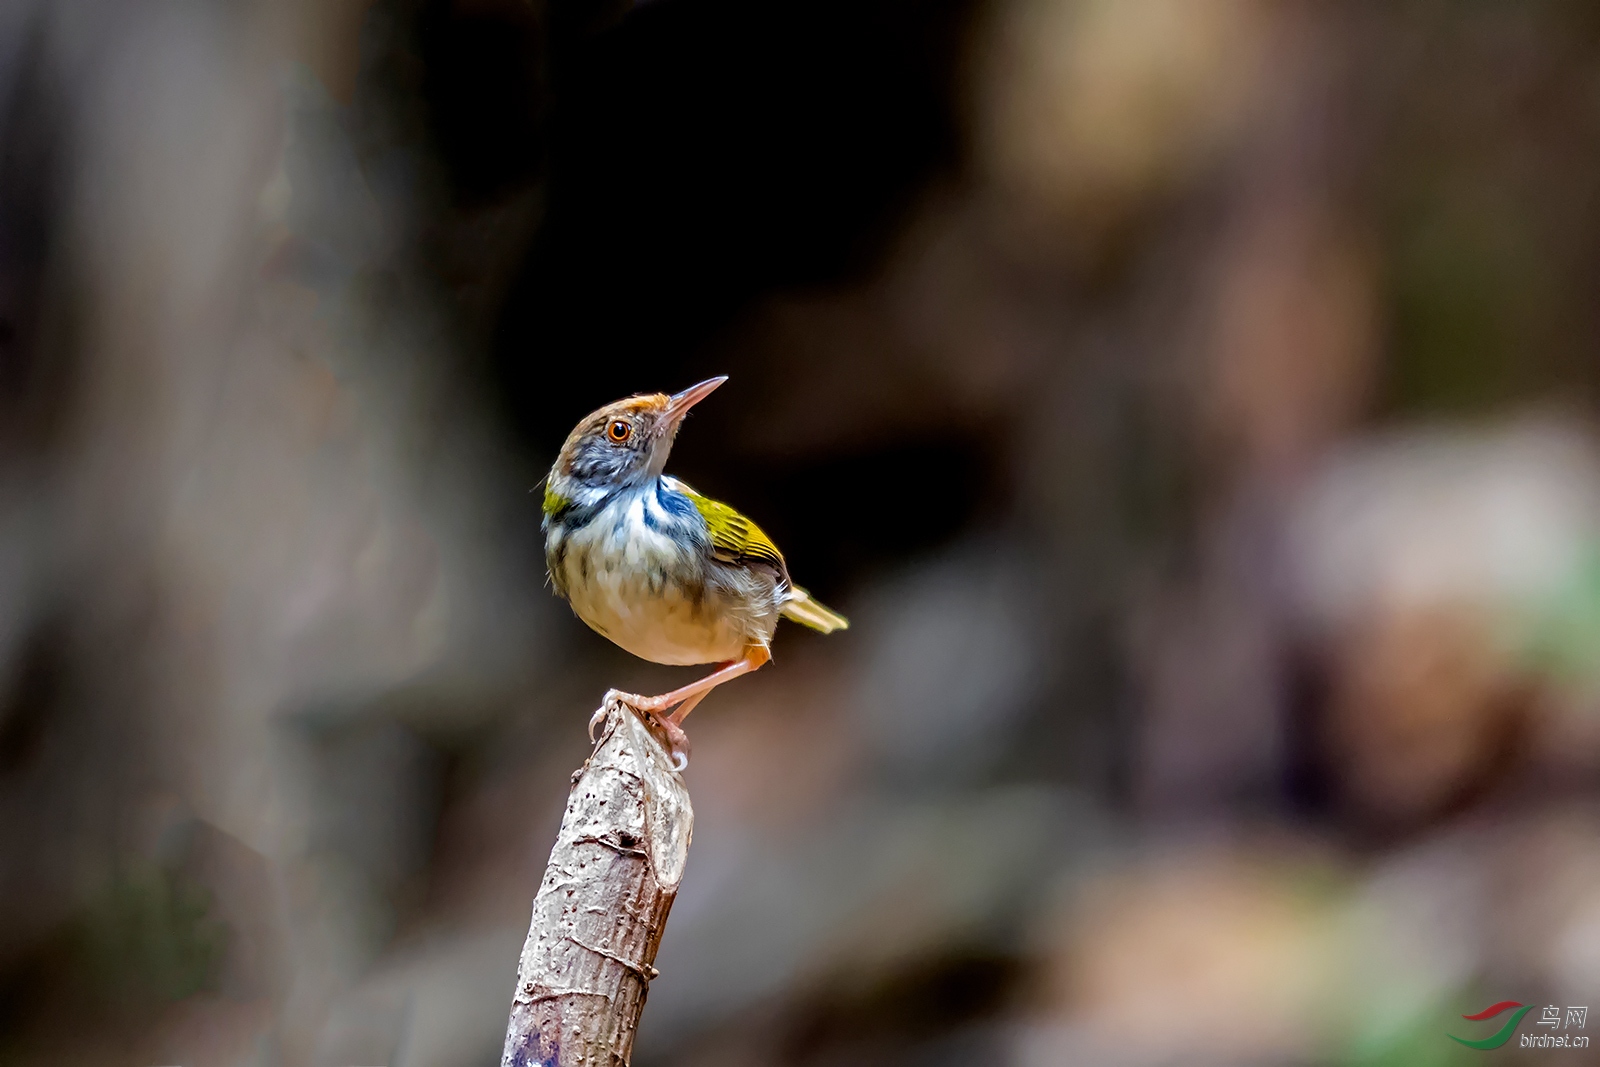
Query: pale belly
[660,620]
[663,625]
[655,595]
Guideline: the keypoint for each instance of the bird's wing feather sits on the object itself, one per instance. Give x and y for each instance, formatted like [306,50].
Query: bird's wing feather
[734,538]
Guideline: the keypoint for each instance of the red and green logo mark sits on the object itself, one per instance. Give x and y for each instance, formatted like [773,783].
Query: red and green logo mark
[1504,1033]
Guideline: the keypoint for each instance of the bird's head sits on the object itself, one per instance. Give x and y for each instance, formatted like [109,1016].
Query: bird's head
[622,445]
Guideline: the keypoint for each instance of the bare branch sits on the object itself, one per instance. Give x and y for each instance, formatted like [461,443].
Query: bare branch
[602,905]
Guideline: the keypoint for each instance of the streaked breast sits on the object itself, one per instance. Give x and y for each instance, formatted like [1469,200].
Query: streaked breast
[638,573]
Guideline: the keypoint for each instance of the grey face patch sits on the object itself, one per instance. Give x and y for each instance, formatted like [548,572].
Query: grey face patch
[597,462]
[594,459]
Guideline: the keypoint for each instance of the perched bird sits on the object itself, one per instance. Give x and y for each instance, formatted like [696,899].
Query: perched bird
[668,574]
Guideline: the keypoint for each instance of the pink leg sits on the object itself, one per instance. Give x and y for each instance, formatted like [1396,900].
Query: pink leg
[677,740]
[754,657]
[683,710]
[688,696]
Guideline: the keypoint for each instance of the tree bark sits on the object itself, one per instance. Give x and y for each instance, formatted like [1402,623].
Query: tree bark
[602,906]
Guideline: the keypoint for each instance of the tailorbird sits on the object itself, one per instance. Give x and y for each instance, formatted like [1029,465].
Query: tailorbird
[668,574]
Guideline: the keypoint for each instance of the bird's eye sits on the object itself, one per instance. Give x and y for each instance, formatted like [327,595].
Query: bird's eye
[619,430]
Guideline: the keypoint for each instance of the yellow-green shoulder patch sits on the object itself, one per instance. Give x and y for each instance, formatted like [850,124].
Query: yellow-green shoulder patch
[554,502]
[734,538]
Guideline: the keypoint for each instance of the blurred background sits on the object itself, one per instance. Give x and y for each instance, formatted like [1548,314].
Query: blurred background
[1191,402]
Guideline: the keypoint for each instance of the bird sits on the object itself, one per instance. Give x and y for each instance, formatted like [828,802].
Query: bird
[666,573]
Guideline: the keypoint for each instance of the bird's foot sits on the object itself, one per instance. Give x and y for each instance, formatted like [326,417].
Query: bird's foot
[653,706]
[677,740]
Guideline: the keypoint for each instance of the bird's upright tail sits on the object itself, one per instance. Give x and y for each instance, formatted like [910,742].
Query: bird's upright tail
[808,612]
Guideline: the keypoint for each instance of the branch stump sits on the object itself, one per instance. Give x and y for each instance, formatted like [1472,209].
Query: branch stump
[602,905]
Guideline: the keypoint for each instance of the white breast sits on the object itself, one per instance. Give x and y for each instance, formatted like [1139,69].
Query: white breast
[646,590]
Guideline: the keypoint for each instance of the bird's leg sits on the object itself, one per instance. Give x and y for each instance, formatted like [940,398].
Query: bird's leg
[677,740]
[682,711]
[686,697]
[754,657]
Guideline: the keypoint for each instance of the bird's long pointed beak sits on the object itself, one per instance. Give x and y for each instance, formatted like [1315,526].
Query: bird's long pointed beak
[678,404]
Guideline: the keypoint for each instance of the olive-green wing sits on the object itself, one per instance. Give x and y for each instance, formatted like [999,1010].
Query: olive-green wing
[734,538]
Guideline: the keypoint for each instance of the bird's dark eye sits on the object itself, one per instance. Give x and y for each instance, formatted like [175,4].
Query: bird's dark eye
[619,430]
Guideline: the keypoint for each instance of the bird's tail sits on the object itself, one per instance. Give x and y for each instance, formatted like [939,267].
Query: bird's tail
[808,612]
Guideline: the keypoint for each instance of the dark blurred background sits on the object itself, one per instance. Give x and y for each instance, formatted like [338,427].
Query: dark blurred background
[1191,402]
